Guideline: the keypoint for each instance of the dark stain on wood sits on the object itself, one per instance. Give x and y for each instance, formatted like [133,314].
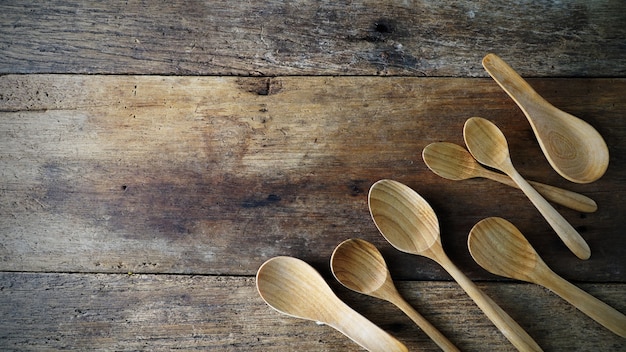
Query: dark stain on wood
[57,182]
[381,30]
[358,187]
[254,203]
[393,56]
[272,38]
[260,86]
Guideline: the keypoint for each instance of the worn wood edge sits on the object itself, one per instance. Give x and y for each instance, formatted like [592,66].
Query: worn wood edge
[420,38]
[161,312]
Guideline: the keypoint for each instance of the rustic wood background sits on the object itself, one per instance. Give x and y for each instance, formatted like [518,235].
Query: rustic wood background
[153,156]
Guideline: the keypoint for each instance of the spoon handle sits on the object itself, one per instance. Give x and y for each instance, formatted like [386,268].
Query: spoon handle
[572,239]
[509,327]
[560,196]
[599,311]
[362,331]
[511,82]
[425,325]
[566,198]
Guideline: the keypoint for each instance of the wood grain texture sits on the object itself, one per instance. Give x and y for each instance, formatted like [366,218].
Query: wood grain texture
[416,38]
[144,165]
[216,175]
[165,312]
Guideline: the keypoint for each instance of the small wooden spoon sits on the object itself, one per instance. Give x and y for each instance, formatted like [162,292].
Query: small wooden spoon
[359,266]
[294,288]
[408,222]
[488,145]
[500,248]
[573,147]
[454,162]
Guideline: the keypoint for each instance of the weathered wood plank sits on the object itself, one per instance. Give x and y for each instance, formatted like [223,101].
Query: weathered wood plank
[416,38]
[164,312]
[216,175]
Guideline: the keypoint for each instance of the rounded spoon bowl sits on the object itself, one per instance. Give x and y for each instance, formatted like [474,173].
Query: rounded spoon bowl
[409,224]
[453,162]
[488,145]
[572,146]
[359,266]
[500,248]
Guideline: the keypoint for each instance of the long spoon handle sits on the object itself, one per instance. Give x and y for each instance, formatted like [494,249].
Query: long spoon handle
[509,327]
[572,239]
[364,332]
[560,196]
[425,325]
[599,311]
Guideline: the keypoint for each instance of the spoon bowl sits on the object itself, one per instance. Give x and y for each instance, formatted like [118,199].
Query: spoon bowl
[500,248]
[405,219]
[359,266]
[409,224]
[293,287]
[488,145]
[572,146]
[453,162]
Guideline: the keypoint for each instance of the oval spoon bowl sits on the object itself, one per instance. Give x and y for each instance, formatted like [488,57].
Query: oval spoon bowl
[453,162]
[359,266]
[408,223]
[488,145]
[500,248]
[293,287]
[573,147]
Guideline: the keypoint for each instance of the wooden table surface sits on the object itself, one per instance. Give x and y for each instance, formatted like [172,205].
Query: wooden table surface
[153,156]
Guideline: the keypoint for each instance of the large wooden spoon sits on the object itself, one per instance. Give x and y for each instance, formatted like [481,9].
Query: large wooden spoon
[408,222]
[573,147]
[454,162]
[500,248]
[293,287]
[488,145]
[359,266]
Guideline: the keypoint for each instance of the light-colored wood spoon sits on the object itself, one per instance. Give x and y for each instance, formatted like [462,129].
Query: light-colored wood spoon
[488,145]
[408,222]
[500,248]
[573,147]
[359,266]
[293,287]
[454,162]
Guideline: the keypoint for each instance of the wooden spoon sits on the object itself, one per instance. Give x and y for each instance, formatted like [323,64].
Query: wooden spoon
[488,145]
[573,147]
[294,288]
[454,162]
[500,248]
[359,266]
[408,222]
